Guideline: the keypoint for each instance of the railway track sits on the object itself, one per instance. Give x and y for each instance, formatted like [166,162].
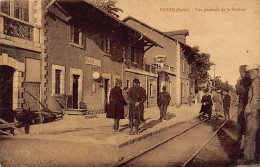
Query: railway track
[129,160]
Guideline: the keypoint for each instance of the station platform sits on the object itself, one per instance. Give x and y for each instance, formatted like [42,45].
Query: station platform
[98,129]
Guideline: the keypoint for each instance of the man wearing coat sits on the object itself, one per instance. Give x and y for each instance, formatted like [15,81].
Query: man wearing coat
[163,102]
[226,104]
[116,104]
[252,117]
[136,98]
[242,88]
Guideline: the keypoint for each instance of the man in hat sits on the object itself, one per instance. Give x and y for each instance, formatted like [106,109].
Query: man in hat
[217,98]
[136,97]
[163,102]
[242,88]
[226,103]
[252,117]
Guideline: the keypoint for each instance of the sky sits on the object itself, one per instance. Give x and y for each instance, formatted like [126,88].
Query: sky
[229,30]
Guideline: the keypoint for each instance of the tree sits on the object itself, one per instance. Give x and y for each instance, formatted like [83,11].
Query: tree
[200,67]
[108,6]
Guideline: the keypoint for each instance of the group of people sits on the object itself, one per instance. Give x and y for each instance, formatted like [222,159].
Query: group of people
[248,119]
[248,90]
[221,101]
[130,103]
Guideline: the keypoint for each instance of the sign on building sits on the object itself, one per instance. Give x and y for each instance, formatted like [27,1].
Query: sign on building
[91,61]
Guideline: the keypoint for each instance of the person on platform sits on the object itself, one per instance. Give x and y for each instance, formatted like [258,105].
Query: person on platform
[226,103]
[143,92]
[242,88]
[163,102]
[217,99]
[206,105]
[116,105]
[190,98]
[126,108]
[136,97]
[252,118]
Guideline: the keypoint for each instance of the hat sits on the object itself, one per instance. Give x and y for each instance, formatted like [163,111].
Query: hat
[118,82]
[252,67]
[136,80]
[242,68]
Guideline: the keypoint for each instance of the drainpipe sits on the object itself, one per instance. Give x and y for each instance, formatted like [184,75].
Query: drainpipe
[178,74]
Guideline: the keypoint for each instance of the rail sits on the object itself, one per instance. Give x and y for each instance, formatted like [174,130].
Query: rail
[125,161]
[187,162]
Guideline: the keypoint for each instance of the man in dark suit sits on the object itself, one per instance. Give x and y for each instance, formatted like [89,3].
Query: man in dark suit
[136,97]
[163,102]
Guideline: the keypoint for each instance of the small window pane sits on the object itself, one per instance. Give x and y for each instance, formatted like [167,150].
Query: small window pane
[5,6]
[57,81]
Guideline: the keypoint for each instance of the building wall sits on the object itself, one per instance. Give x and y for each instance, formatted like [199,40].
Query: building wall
[60,52]
[169,45]
[16,58]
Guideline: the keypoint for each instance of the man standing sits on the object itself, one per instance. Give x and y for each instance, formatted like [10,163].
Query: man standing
[136,98]
[163,102]
[226,104]
[252,117]
[116,104]
[242,88]
[126,108]
[143,92]
[217,98]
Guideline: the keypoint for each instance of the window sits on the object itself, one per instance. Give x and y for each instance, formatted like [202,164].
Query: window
[151,90]
[76,36]
[106,44]
[58,79]
[5,6]
[183,64]
[136,55]
[128,84]
[21,10]
[16,8]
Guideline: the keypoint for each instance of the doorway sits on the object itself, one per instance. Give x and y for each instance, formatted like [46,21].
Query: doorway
[6,86]
[106,91]
[75,93]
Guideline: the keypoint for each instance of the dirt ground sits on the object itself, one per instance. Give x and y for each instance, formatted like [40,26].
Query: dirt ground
[35,152]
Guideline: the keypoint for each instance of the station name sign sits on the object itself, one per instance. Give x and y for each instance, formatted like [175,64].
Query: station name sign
[92,61]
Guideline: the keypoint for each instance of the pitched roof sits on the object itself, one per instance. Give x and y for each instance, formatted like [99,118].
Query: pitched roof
[154,29]
[121,23]
[178,32]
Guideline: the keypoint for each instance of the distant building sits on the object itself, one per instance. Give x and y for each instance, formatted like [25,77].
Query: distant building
[172,61]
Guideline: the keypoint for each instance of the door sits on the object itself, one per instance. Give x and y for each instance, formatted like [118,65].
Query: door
[106,91]
[75,94]
[6,91]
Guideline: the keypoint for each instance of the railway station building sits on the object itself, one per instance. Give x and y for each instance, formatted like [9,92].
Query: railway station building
[87,49]
[172,60]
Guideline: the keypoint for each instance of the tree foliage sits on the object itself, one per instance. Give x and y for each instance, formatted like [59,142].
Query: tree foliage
[108,6]
[200,66]
[219,84]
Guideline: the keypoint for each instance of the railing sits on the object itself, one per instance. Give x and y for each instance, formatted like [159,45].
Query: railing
[150,68]
[19,29]
[165,67]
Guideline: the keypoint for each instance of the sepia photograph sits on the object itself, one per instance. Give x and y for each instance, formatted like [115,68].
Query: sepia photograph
[142,83]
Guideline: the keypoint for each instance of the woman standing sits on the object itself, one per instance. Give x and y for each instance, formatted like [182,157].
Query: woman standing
[206,104]
[116,105]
